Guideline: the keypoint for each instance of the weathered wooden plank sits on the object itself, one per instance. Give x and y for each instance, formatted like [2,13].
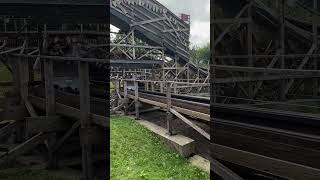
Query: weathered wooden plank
[188,112]
[25,146]
[284,169]
[68,111]
[223,171]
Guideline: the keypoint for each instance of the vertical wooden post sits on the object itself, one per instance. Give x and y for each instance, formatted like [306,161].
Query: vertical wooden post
[175,91]
[282,47]
[133,45]
[117,84]
[152,86]
[125,93]
[249,46]
[147,86]
[49,88]
[50,106]
[161,86]
[24,78]
[83,68]
[136,98]
[44,51]
[16,75]
[188,73]
[315,24]
[169,115]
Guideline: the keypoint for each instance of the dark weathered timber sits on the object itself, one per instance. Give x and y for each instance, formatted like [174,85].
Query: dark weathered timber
[45,124]
[284,169]
[85,119]
[57,12]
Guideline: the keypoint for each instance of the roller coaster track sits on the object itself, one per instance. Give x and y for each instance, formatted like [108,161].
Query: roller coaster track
[154,24]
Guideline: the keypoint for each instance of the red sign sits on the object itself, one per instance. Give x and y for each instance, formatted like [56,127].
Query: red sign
[185,17]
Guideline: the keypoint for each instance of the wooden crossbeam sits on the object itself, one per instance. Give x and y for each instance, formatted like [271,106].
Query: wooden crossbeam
[302,64]
[62,140]
[277,167]
[261,78]
[265,70]
[223,171]
[191,124]
[24,147]
[7,129]
[147,21]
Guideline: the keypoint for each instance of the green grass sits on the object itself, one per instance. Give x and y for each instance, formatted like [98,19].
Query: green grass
[136,153]
[28,175]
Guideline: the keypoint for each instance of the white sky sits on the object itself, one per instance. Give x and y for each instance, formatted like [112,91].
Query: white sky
[199,10]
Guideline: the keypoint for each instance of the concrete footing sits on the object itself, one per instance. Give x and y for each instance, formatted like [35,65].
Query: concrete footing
[200,162]
[183,145]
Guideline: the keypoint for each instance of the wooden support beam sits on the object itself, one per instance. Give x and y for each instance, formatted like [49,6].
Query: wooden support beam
[136,98]
[49,88]
[62,140]
[30,108]
[24,78]
[315,25]
[83,70]
[195,114]
[126,99]
[93,136]
[146,110]
[266,70]
[223,171]
[24,147]
[7,127]
[262,78]
[302,64]
[276,167]
[191,124]
[68,111]
[169,105]
[50,107]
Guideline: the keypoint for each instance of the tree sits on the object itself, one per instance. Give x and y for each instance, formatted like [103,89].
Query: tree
[200,55]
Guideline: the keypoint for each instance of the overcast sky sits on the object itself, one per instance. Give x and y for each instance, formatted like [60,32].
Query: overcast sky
[200,17]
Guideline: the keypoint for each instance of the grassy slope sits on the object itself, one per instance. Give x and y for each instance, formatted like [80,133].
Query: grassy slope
[137,154]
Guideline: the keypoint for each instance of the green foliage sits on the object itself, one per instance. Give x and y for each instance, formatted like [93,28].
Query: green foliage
[137,154]
[200,55]
[4,73]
